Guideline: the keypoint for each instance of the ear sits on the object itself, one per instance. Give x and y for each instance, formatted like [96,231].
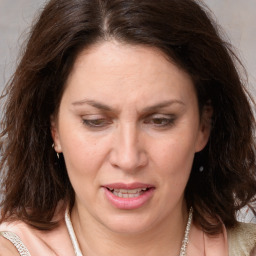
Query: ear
[205,126]
[55,134]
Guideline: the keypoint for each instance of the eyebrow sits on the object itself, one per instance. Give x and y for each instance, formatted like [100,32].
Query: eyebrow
[161,105]
[92,103]
[105,107]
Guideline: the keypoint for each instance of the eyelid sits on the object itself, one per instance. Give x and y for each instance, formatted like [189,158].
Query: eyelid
[93,116]
[159,115]
[96,121]
[167,120]
[157,120]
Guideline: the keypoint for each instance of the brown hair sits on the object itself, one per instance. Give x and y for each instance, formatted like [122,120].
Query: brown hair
[34,180]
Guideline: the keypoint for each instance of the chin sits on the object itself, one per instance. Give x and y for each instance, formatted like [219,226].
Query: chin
[127,224]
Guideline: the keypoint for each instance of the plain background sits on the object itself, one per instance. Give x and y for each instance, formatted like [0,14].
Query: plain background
[237,17]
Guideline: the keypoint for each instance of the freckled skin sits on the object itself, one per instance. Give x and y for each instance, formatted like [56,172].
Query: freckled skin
[129,141]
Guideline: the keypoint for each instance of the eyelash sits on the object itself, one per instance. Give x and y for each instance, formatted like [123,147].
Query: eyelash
[93,123]
[158,122]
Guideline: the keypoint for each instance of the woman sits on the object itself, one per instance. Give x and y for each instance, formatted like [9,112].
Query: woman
[126,131]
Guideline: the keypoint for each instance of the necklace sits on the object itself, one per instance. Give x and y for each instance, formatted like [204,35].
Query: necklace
[183,249]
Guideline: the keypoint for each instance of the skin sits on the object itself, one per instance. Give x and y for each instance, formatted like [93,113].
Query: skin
[110,130]
[7,248]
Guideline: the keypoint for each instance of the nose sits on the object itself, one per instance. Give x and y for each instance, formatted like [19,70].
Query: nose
[128,152]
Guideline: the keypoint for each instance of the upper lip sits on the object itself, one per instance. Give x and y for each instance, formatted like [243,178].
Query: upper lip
[134,185]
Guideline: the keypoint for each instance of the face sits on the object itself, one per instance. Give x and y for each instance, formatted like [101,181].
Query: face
[128,127]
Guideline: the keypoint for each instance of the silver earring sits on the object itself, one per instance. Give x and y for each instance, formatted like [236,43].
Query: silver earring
[56,152]
[201,169]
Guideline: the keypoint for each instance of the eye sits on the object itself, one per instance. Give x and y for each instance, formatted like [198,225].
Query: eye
[97,122]
[159,120]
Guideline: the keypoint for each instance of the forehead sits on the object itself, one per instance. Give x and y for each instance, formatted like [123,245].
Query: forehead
[119,54]
[115,69]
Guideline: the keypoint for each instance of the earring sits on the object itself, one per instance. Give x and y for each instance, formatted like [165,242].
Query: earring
[58,156]
[201,169]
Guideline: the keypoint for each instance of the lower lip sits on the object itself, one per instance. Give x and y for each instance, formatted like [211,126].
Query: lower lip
[129,203]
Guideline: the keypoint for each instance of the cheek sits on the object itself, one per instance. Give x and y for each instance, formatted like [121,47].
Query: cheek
[83,161]
[174,162]
[175,155]
[84,154]
[81,156]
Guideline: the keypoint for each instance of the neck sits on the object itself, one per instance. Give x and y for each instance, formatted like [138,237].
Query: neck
[162,239]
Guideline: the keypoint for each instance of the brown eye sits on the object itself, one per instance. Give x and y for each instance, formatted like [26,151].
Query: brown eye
[160,120]
[96,123]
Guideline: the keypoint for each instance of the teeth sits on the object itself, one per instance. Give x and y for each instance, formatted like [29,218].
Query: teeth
[122,195]
[128,193]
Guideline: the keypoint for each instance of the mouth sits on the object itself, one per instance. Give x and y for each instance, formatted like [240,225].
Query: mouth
[129,196]
[128,193]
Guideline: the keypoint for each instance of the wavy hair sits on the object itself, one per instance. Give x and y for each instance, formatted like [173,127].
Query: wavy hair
[34,180]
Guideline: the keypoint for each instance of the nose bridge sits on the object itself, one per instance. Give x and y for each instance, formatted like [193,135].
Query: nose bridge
[128,153]
[129,139]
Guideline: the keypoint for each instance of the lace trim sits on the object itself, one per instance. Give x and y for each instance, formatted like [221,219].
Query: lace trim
[15,240]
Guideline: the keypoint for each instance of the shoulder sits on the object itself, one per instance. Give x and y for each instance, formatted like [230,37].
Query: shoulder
[7,248]
[242,239]
[34,241]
